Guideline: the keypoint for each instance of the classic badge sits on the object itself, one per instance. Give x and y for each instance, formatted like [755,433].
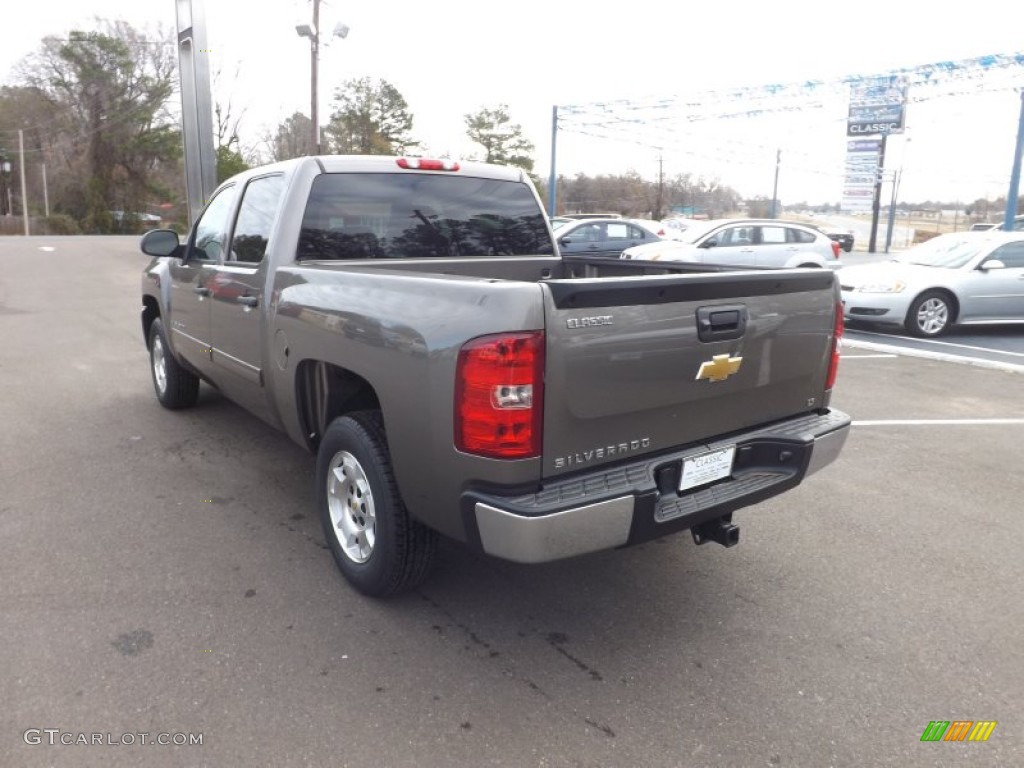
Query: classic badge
[719,368]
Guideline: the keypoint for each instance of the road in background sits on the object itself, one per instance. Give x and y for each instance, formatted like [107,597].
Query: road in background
[165,572]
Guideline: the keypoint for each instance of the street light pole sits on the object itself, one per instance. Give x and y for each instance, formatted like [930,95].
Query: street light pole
[313,33]
[314,55]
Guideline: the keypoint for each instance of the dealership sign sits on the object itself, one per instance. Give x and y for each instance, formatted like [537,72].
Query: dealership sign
[877,106]
[862,160]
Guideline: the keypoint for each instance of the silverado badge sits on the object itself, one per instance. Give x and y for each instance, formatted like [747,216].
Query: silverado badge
[719,368]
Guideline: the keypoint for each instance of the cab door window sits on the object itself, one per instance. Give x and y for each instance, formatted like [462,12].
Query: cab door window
[211,229]
[256,217]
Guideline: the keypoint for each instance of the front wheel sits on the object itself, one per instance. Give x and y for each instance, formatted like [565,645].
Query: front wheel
[377,546]
[931,314]
[175,387]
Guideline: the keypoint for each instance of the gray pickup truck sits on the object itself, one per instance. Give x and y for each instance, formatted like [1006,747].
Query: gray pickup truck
[412,323]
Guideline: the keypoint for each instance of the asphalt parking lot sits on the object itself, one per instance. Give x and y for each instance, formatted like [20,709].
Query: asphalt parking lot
[164,573]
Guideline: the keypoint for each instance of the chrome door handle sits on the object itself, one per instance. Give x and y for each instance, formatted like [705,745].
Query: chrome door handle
[248,301]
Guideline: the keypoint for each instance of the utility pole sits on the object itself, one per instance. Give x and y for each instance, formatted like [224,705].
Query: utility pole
[24,194]
[876,203]
[775,188]
[46,194]
[5,198]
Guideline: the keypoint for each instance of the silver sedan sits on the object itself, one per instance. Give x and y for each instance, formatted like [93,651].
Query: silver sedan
[965,278]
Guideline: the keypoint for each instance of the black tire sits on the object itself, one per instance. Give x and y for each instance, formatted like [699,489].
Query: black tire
[377,546]
[931,314]
[175,387]
[809,266]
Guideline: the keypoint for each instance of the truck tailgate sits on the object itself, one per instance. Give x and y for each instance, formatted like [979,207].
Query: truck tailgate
[640,365]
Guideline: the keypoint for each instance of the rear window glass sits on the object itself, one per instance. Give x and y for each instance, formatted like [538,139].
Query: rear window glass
[412,216]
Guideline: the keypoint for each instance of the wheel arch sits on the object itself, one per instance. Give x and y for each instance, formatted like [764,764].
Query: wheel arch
[150,312]
[323,392]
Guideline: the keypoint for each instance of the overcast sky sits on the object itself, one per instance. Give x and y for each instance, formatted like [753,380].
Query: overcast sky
[452,57]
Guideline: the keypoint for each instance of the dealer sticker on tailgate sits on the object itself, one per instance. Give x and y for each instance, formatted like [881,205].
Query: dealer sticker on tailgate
[706,468]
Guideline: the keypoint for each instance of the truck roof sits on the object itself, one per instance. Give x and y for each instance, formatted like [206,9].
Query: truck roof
[388,163]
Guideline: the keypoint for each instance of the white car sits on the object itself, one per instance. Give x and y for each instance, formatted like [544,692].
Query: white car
[745,243]
[965,278]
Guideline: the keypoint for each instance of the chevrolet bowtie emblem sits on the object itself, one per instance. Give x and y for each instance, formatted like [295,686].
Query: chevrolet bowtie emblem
[719,368]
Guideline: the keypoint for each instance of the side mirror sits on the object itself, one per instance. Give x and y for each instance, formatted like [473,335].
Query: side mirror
[160,242]
[566,241]
[709,243]
[985,266]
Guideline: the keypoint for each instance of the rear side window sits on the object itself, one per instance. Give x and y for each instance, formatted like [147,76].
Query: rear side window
[800,236]
[412,215]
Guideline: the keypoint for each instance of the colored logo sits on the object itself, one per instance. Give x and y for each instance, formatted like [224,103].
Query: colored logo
[958,730]
[719,368]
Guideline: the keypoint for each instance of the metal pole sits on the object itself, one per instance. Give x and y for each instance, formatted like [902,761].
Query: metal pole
[46,195]
[1011,197]
[5,167]
[314,55]
[775,188]
[876,202]
[552,175]
[24,194]
[892,209]
[196,106]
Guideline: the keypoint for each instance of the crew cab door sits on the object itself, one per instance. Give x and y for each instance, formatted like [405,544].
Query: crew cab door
[237,293]
[189,308]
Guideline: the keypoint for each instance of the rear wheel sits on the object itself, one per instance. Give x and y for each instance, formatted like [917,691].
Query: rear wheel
[378,547]
[931,314]
[175,387]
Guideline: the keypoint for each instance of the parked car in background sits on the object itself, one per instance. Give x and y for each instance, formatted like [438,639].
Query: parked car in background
[602,237]
[675,226]
[745,243]
[557,221]
[984,226]
[962,278]
[842,236]
[591,215]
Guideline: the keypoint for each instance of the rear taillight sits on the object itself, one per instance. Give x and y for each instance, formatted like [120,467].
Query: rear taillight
[499,396]
[837,341]
[427,164]
[835,249]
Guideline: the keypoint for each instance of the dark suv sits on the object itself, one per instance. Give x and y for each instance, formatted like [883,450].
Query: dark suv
[842,236]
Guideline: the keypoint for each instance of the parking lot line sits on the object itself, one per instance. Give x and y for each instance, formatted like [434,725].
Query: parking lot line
[943,357]
[935,422]
[987,350]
